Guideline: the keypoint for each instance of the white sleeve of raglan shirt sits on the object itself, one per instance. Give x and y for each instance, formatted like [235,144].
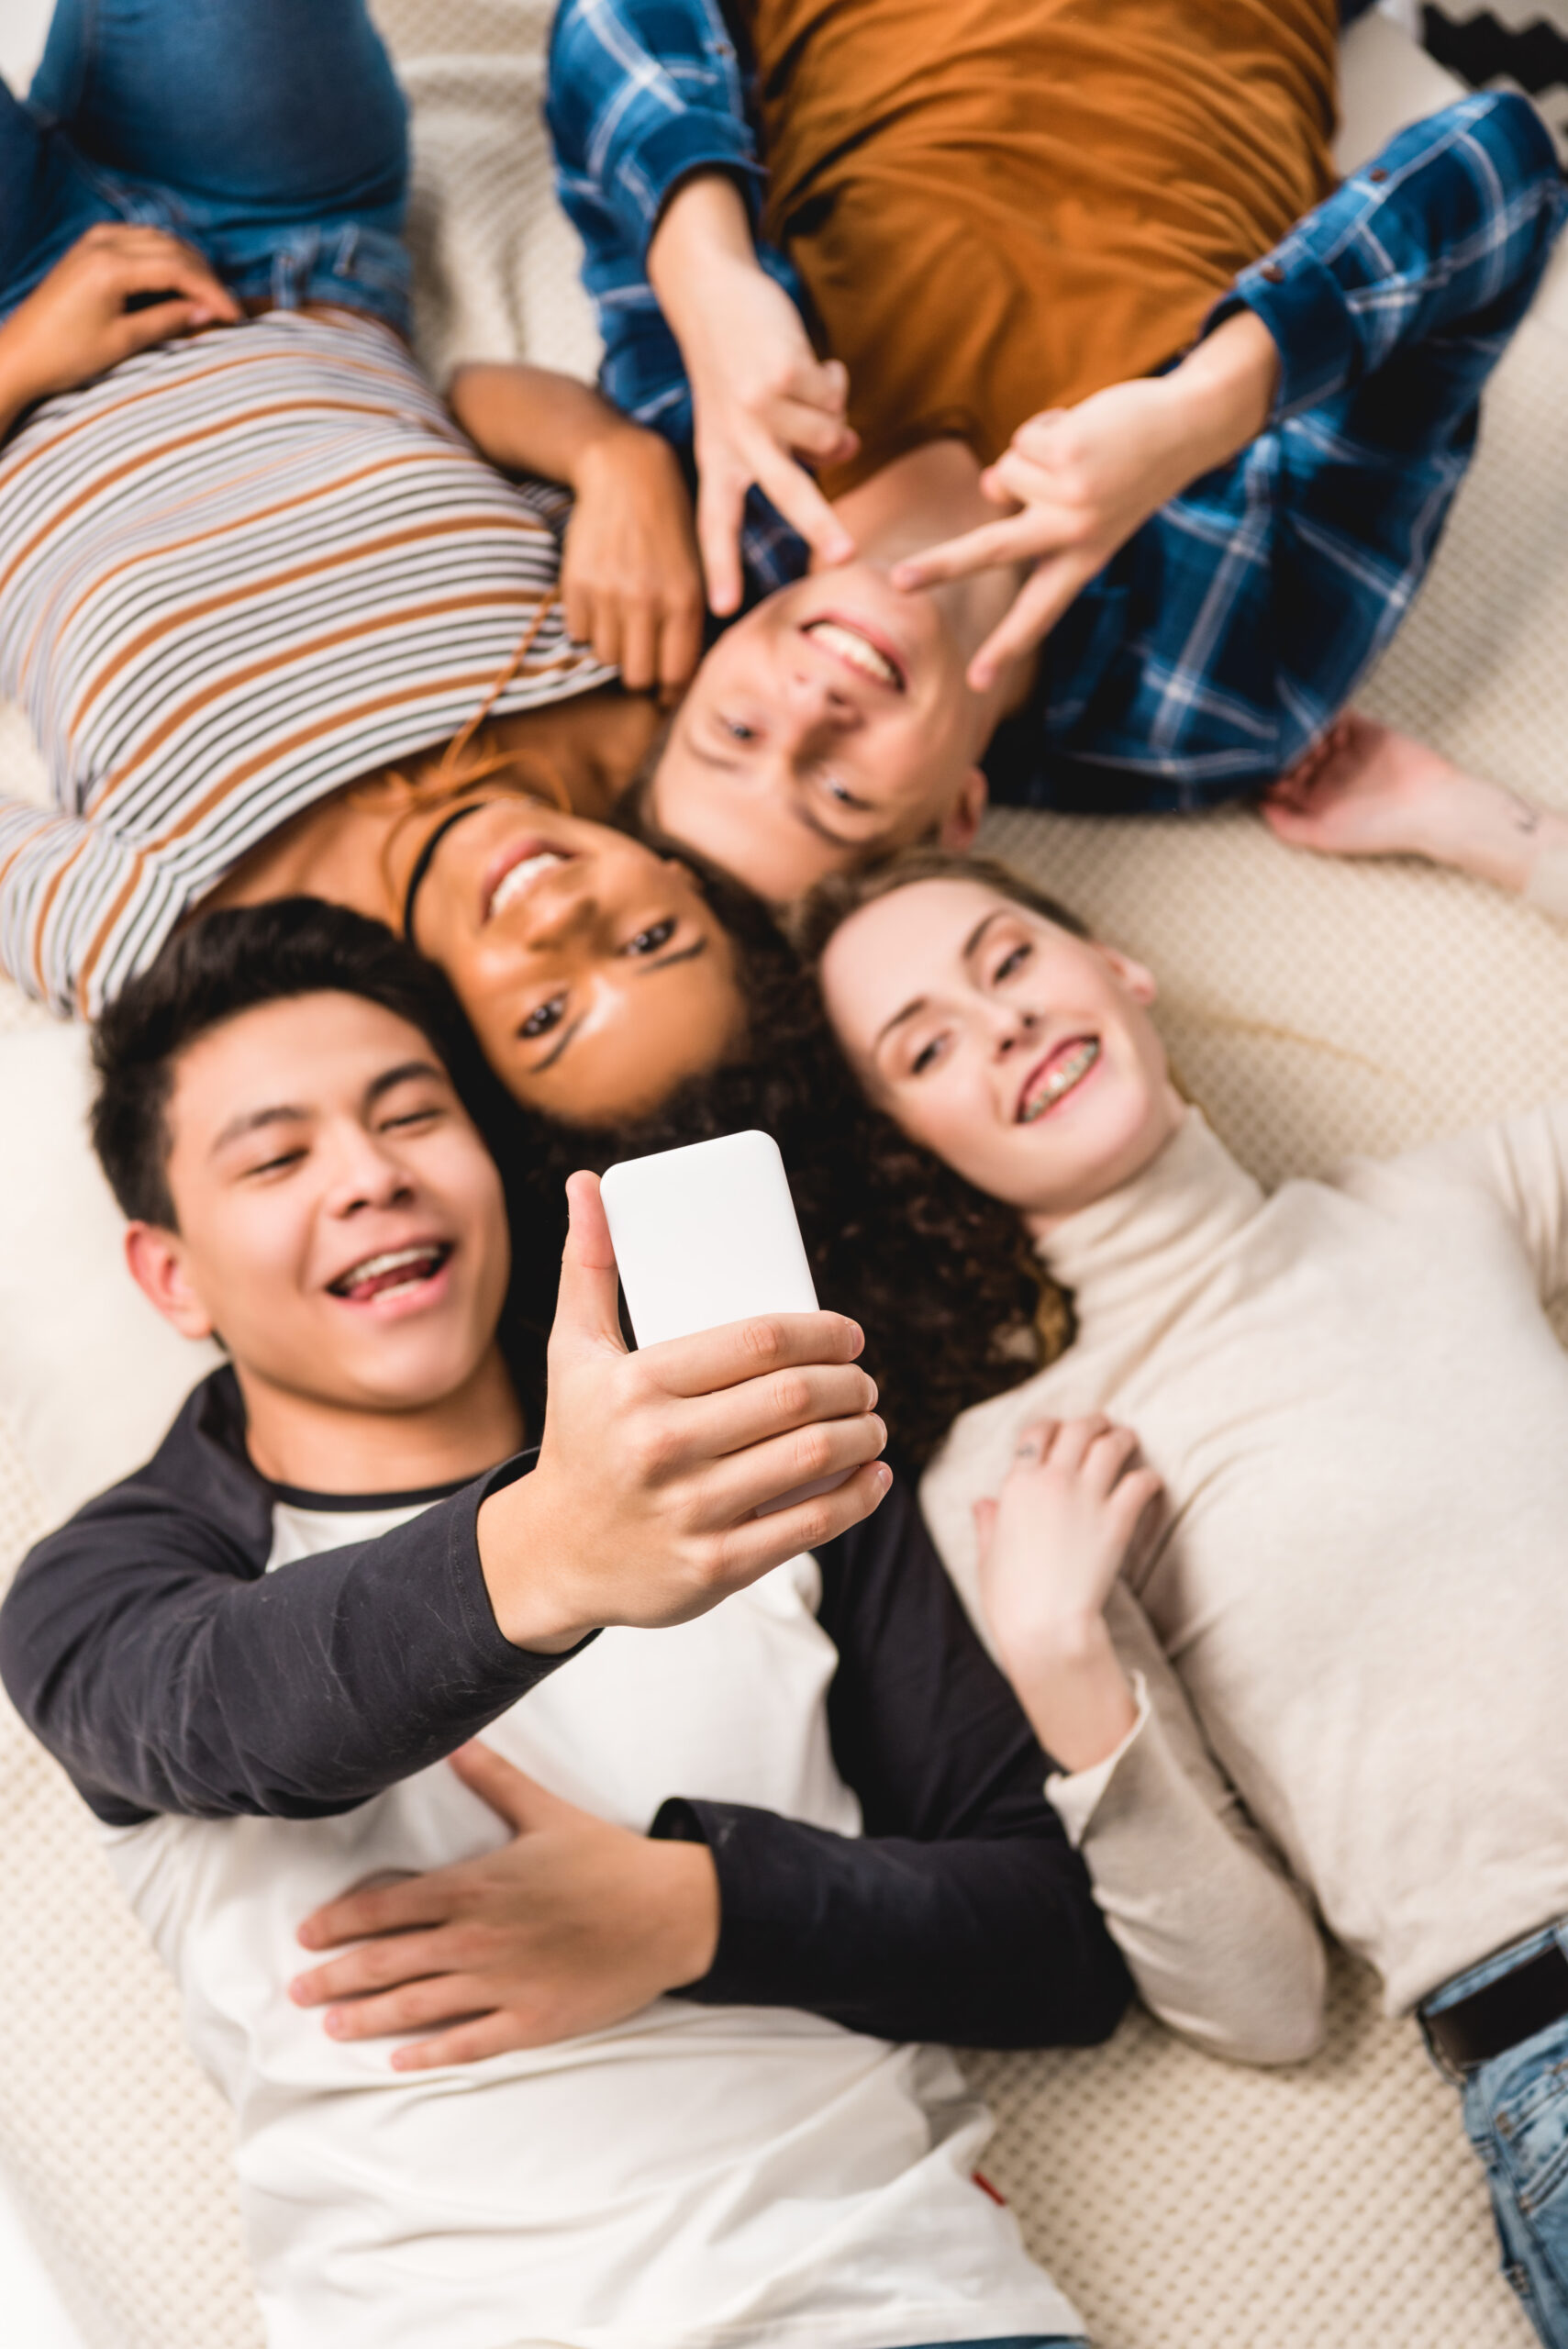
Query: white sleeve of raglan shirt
[1521,1161]
[1218,1939]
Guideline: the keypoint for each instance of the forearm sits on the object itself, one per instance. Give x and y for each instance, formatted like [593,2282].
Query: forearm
[638,98]
[703,239]
[532,420]
[1221,397]
[1078,1698]
[1218,1942]
[975,1942]
[165,1678]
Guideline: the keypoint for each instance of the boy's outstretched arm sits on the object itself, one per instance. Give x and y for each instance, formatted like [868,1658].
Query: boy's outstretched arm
[149,1649]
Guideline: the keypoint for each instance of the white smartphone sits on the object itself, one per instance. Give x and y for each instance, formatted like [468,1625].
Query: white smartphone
[706,1235]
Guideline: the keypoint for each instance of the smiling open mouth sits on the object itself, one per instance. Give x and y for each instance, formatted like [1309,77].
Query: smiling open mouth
[1056,1076]
[520,874]
[851,645]
[396,1272]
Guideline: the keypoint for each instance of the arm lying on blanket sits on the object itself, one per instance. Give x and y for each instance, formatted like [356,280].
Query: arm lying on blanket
[1220,1942]
[144,1647]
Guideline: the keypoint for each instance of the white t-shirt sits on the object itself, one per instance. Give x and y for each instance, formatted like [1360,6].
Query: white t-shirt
[694,2175]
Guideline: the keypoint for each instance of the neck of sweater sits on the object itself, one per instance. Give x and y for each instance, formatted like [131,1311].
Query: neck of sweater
[1155,1233]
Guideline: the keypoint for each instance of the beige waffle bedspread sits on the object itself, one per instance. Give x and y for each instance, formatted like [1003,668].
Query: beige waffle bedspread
[1315,1009]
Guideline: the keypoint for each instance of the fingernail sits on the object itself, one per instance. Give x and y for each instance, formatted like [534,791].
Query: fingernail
[882,1478]
[332,2023]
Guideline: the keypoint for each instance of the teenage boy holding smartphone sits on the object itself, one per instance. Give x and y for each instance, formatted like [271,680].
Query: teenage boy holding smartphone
[754,1857]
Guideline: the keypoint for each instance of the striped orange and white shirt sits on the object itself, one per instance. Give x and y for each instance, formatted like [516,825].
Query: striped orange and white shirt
[236,574]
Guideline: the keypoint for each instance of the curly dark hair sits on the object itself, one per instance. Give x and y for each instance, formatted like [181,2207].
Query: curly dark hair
[954,1306]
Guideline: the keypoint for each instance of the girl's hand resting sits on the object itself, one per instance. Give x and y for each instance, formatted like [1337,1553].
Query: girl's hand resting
[76,324]
[630,581]
[1051,1545]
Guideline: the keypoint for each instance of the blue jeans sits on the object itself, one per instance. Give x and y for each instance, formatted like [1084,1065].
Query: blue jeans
[1516,2112]
[269,134]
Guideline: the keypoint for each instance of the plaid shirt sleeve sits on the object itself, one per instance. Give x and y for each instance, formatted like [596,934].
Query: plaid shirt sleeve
[640,95]
[1222,640]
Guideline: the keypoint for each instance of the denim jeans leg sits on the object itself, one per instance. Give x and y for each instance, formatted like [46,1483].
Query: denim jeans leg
[46,201]
[284,109]
[1515,2110]
[270,134]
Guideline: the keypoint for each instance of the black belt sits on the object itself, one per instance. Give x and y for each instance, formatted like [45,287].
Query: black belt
[1502,2014]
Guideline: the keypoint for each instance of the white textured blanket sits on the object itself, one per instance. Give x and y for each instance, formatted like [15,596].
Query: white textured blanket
[1314,1009]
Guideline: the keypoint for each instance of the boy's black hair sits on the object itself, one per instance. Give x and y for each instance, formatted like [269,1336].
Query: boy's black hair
[225,963]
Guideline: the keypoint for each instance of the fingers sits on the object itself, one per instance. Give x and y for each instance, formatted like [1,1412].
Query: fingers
[721,503]
[1034,613]
[177,272]
[753,1548]
[520,1800]
[680,644]
[587,1310]
[749,1480]
[375,1965]
[712,1360]
[981,550]
[639,661]
[738,1417]
[379,1909]
[1136,1493]
[412,2005]
[816,433]
[494,2035]
[801,503]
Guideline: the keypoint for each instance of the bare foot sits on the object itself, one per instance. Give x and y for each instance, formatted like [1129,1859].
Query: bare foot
[1367,791]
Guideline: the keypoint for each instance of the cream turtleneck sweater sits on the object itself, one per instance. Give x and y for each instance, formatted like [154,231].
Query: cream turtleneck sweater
[1361,1414]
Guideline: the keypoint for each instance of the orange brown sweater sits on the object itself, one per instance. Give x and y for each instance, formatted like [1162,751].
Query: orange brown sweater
[1001,205]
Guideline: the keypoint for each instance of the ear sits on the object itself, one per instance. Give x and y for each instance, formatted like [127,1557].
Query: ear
[1136,977]
[959,826]
[157,1266]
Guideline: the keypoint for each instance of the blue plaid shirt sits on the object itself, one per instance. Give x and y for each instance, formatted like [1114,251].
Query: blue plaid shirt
[1223,639]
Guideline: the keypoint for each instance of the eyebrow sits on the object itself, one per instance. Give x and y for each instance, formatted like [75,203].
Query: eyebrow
[918,1003]
[290,1113]
[645,970]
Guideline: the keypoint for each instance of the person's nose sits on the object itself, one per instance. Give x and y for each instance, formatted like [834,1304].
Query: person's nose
[1010,1026]
[813,698]
[553,916]
[365,1173]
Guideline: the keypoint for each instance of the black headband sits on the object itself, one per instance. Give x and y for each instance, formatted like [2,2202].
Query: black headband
[423,862]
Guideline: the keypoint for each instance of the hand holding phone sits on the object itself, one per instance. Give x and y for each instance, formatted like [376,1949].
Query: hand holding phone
[708,1235]
[655,1467]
